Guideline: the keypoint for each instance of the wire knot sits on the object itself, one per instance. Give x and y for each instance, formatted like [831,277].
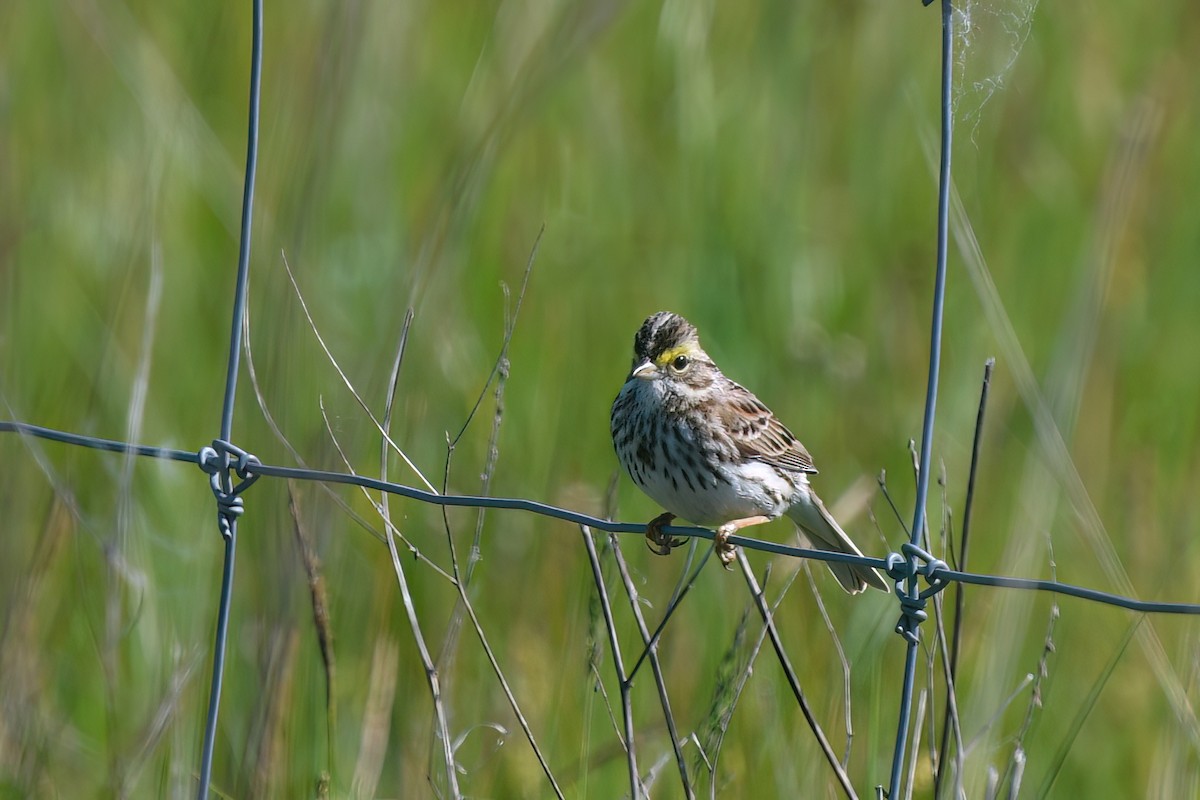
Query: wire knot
[903,568]
[221,461]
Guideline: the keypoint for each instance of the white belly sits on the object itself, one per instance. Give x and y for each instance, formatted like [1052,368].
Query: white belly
[748,490]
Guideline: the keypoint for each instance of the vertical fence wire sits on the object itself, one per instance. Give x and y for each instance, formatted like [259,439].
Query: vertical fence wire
[243,267]
[911,587]
[228,521]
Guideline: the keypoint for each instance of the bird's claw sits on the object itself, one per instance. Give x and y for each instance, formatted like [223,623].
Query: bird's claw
[660,543]
[725,551]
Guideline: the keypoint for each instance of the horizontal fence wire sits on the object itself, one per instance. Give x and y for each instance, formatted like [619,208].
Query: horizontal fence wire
[940,573]
[96,443]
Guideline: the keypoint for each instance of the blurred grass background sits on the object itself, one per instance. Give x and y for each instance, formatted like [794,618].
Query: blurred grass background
[758,167]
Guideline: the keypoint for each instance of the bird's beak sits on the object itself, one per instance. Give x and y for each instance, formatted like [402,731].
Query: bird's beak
[646,371]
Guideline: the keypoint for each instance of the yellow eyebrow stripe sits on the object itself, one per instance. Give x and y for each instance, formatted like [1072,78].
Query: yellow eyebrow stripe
[667,356]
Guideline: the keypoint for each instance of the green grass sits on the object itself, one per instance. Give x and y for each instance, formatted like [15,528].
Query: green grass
[757,167]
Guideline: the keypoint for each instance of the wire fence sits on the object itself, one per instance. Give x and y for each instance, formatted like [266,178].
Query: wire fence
[918,575]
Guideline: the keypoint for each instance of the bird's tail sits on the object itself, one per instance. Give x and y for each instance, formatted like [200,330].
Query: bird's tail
[825,534]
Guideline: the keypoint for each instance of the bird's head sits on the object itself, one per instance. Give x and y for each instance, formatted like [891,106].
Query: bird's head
[667,348]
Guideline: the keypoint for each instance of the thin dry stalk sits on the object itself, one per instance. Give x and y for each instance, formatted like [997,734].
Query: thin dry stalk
[270,753]
[730,678]
[141,386]
[379,506]
[882,481]
[461,578]
[1018,773]
[377,717]
[1001,709]
[23,728]
[793,681]
[499,373]
[508,693]
[321,622]
[922,698]
[1035,696]
[116,550]
[432,678]
[951,720]
[939,629]
[160,722]
[337,499]
[612,715]
[652,650]
[847,700]
[431,673]
[1085,709]
[728,691]
[940,652]
[1127,164]
[635,784]
[354,392]
[960,600]
[677,598]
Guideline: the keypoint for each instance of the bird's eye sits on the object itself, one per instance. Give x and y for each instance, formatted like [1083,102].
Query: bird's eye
[680,362]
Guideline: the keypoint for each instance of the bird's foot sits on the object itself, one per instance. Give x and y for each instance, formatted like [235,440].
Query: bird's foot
[725,551]
[660,543]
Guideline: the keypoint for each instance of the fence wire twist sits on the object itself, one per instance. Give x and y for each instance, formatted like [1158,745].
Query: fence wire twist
[918,575]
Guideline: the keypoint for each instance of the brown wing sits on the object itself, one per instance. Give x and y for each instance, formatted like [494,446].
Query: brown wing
[759,435]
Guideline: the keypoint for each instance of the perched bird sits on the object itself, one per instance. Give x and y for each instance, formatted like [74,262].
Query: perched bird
[709,451]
